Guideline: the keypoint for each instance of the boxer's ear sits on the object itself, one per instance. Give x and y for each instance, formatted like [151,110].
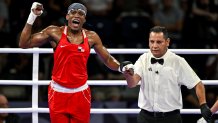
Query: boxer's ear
[67,17]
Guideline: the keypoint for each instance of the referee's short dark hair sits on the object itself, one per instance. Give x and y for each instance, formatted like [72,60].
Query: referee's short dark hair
[158,29]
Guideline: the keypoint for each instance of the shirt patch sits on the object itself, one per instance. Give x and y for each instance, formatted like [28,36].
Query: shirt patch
[80,49]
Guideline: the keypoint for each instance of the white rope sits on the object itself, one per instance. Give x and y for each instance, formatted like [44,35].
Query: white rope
[93,111]
[90,82]
[111,50]
[35,82]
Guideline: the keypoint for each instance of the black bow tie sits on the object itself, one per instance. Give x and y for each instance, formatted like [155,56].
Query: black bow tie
[154,60]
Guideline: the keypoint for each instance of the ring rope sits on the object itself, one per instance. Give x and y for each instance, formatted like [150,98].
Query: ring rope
[35,82]
[111,50]
[90,82]
[93,110]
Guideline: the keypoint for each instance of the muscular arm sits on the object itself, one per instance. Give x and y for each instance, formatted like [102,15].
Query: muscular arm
[102,52]
[200,92]
[29,40]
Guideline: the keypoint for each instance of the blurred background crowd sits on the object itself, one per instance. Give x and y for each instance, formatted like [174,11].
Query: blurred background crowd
[192,24]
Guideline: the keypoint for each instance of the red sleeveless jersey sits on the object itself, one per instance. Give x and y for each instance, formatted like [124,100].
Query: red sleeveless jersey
[70,62]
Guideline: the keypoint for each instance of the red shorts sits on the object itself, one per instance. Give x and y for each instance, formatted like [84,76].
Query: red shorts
[69,107]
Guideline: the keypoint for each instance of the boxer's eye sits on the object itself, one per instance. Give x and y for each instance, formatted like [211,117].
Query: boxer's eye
[79,11]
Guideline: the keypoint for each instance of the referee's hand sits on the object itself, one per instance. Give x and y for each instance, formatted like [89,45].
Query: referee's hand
[205,112]
[126,67]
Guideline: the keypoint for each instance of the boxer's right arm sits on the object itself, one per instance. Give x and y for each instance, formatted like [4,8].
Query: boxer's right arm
[27,39]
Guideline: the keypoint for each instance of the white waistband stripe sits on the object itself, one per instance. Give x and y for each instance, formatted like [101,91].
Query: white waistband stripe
[60,88]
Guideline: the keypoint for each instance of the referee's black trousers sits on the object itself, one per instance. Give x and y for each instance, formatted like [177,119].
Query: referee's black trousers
[151,117]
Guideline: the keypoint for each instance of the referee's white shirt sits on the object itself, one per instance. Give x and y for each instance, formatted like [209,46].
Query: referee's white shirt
[160,84]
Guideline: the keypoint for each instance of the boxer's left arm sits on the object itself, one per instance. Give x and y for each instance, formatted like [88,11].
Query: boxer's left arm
[106,57]
[102,52]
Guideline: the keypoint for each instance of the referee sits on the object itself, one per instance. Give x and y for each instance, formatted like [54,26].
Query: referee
[161,74]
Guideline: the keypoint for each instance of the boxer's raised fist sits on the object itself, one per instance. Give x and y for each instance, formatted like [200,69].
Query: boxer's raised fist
[37,8]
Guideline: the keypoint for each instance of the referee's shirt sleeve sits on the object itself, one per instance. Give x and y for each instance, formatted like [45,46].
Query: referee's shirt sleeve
[187,75]
[139,66]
